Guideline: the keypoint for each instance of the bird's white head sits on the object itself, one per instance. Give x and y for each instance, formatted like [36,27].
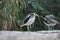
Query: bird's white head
[34,14]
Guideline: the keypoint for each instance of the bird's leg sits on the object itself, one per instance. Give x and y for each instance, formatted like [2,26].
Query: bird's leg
[50,28]
[28,28]
[53,28]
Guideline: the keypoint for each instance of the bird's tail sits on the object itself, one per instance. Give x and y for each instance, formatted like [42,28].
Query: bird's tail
[21,25]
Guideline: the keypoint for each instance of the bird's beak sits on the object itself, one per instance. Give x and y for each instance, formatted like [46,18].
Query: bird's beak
[39,16]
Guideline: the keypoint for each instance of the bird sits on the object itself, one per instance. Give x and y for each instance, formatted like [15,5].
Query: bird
[50,21]
[29,20]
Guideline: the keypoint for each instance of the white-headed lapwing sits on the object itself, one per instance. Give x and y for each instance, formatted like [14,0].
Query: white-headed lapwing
[29,19]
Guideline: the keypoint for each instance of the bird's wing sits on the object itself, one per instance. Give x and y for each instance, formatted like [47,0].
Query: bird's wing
[26,19]
[46,21]
[55,21]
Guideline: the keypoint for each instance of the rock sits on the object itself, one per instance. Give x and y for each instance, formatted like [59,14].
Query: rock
[40,35]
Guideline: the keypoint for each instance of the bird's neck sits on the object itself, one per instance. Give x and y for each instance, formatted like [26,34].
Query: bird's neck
[32,16]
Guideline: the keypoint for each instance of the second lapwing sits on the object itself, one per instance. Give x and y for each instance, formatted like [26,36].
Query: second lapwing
[50,21]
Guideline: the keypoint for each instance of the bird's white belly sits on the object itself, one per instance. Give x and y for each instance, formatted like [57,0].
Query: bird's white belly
[30,21]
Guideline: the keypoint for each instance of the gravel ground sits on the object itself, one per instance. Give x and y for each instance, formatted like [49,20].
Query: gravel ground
[39,35]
